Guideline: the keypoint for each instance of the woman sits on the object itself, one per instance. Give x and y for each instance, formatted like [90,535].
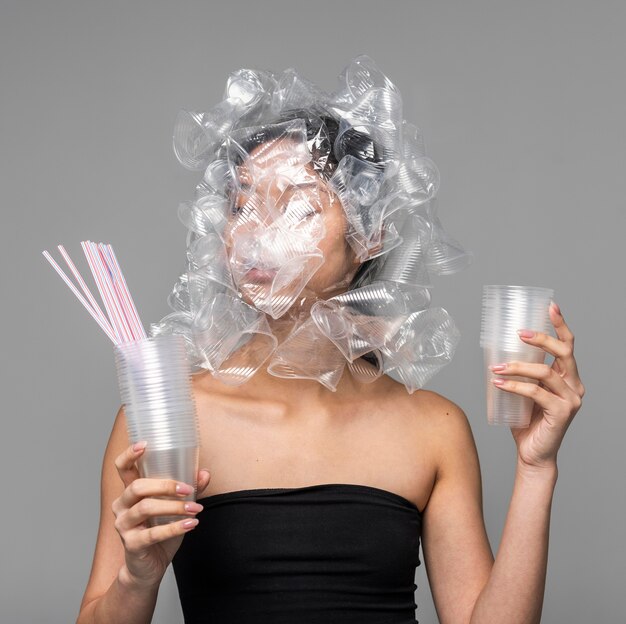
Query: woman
[322,478]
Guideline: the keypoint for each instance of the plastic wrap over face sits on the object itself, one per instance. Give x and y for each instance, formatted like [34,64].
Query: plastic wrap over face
[313,235]
[277,219]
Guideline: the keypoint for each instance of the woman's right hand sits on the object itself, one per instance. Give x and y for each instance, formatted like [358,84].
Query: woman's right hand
[150,549]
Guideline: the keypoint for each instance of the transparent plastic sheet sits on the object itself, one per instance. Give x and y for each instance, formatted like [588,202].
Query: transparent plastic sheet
[313,235]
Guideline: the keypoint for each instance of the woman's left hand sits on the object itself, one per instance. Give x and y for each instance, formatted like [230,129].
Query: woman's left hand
[557,396]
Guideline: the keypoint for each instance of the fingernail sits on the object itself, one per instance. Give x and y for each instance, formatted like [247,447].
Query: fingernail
[183,488]
[138,446]
[494,367]
[525,333]
[193,507]
[497,381]
[556,307]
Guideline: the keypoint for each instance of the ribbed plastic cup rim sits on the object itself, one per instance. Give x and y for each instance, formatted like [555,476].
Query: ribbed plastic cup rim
[503,288]
[174,435]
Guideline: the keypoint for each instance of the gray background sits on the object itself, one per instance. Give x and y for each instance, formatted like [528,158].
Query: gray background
[522,105]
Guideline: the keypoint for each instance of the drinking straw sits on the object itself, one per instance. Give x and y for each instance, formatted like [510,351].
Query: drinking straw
[83,285]
[122,323]
[141,332]
[107,329]
[105,274]
[104,295]
[130,324]
[130,312]
[104,278]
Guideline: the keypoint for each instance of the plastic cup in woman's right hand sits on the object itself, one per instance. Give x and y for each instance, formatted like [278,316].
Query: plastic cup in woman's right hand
[505,309]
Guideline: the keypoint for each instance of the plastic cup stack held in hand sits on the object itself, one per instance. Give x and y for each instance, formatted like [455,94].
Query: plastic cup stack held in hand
[155,385]
[505,309]
[154,374]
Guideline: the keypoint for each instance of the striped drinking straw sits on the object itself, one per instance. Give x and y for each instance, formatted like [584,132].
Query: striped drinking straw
[121,322]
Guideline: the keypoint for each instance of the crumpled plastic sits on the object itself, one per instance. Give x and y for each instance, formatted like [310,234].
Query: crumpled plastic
[276,153]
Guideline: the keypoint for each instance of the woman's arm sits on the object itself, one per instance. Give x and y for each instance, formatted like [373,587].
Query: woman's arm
[457,553]
[515,589]
[468,586]
[123,603]
[514,592]
[110,595]
[131,556]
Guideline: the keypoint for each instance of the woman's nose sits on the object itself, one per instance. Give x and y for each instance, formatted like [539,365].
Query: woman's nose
[248,247]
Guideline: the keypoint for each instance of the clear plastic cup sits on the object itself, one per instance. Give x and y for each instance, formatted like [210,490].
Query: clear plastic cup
[505,309]
[154,379]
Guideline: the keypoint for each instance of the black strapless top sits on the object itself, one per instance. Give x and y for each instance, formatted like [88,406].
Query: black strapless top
[331,553]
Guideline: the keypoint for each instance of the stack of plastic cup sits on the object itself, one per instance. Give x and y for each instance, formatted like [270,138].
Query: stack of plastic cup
[505,309]
[154,379]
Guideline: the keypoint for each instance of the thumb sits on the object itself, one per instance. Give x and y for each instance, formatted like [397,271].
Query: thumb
[204,476]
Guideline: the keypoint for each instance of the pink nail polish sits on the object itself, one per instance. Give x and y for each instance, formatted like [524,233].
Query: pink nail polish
[525,333]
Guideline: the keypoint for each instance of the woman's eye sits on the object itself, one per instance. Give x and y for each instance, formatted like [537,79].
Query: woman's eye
[236,206]
[303,214]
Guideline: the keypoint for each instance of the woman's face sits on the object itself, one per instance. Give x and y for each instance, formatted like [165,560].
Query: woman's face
[286,228]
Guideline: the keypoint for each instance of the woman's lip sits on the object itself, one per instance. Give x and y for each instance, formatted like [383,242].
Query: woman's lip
[261,274]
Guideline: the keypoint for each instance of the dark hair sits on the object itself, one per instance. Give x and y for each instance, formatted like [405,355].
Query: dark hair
[322,132]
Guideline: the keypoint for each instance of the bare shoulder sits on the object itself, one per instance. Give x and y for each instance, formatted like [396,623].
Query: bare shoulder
[445,424]
[442,410]
[434,409]
[436,405]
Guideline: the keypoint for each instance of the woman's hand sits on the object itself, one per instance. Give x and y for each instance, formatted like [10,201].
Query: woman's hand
[557,397]
[149,550]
